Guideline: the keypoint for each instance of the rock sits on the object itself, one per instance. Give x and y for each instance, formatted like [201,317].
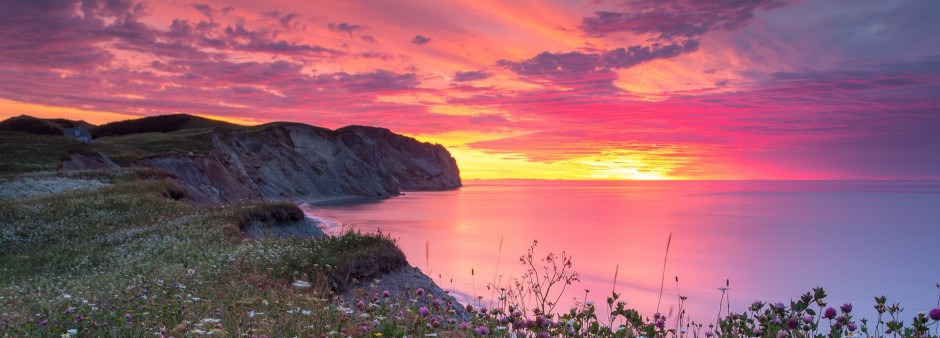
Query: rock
[404,282]
[77,161]
[301,162]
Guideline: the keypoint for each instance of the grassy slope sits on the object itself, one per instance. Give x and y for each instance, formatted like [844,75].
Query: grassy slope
[130,257]
[124,149]
[23,152]
[158,124]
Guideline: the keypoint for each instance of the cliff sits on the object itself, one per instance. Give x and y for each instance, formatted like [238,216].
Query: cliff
[284,161]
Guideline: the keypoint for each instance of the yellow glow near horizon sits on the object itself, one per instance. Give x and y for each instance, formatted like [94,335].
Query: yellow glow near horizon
[479,164]
[235,120]
[9,108]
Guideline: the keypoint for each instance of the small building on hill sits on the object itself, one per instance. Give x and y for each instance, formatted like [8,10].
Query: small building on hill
[79,133]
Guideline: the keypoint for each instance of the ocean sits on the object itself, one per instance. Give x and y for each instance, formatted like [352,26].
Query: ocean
[765,240]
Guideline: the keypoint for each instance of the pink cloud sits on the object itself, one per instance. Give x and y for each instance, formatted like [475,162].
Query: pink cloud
[558,92]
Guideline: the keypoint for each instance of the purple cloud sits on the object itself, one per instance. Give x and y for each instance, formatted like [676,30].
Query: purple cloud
[596,68]
[53,34]
[420,39]
[672,19]
[347,28]
[285,19]
[470,76]
[205,9]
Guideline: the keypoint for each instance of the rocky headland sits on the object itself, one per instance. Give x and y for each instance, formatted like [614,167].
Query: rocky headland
[205,203]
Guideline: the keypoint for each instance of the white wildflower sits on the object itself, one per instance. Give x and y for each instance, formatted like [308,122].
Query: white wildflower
[302,285]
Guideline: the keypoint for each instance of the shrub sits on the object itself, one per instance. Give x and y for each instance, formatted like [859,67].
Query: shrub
[268,214]
[341,260]
[175,192]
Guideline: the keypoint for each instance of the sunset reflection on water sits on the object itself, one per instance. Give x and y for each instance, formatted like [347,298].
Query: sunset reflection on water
[773,240]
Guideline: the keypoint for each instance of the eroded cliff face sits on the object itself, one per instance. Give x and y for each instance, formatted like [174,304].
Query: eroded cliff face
[296,161]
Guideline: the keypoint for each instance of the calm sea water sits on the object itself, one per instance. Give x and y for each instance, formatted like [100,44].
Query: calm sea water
[773,240]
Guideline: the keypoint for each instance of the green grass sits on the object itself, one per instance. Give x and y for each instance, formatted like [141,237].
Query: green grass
[128,253]
[125,149]
[22,152]
[268,213]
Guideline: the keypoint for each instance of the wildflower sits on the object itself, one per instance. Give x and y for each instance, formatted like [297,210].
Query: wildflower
[386,294]
[842,320]
[378,334]
[808,319]
[190,271]
[782,333]
[779,306]
[758,332]
[482,330]
[361,305]
[757,305]
[792,323]
[830,313]
[852,327]
[251,314]
[436,303]
[545,335]
[540,321]
[846,308]
[419,292]
[423,311]
[709,334]
[464,325]
[529,323]
[935,313]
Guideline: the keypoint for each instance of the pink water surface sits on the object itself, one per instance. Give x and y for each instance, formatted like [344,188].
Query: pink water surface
[773,240]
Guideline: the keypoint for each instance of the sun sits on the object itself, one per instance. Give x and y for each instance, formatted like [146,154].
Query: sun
[630,174]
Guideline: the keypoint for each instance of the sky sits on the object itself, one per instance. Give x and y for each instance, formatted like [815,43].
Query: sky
[593,89]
